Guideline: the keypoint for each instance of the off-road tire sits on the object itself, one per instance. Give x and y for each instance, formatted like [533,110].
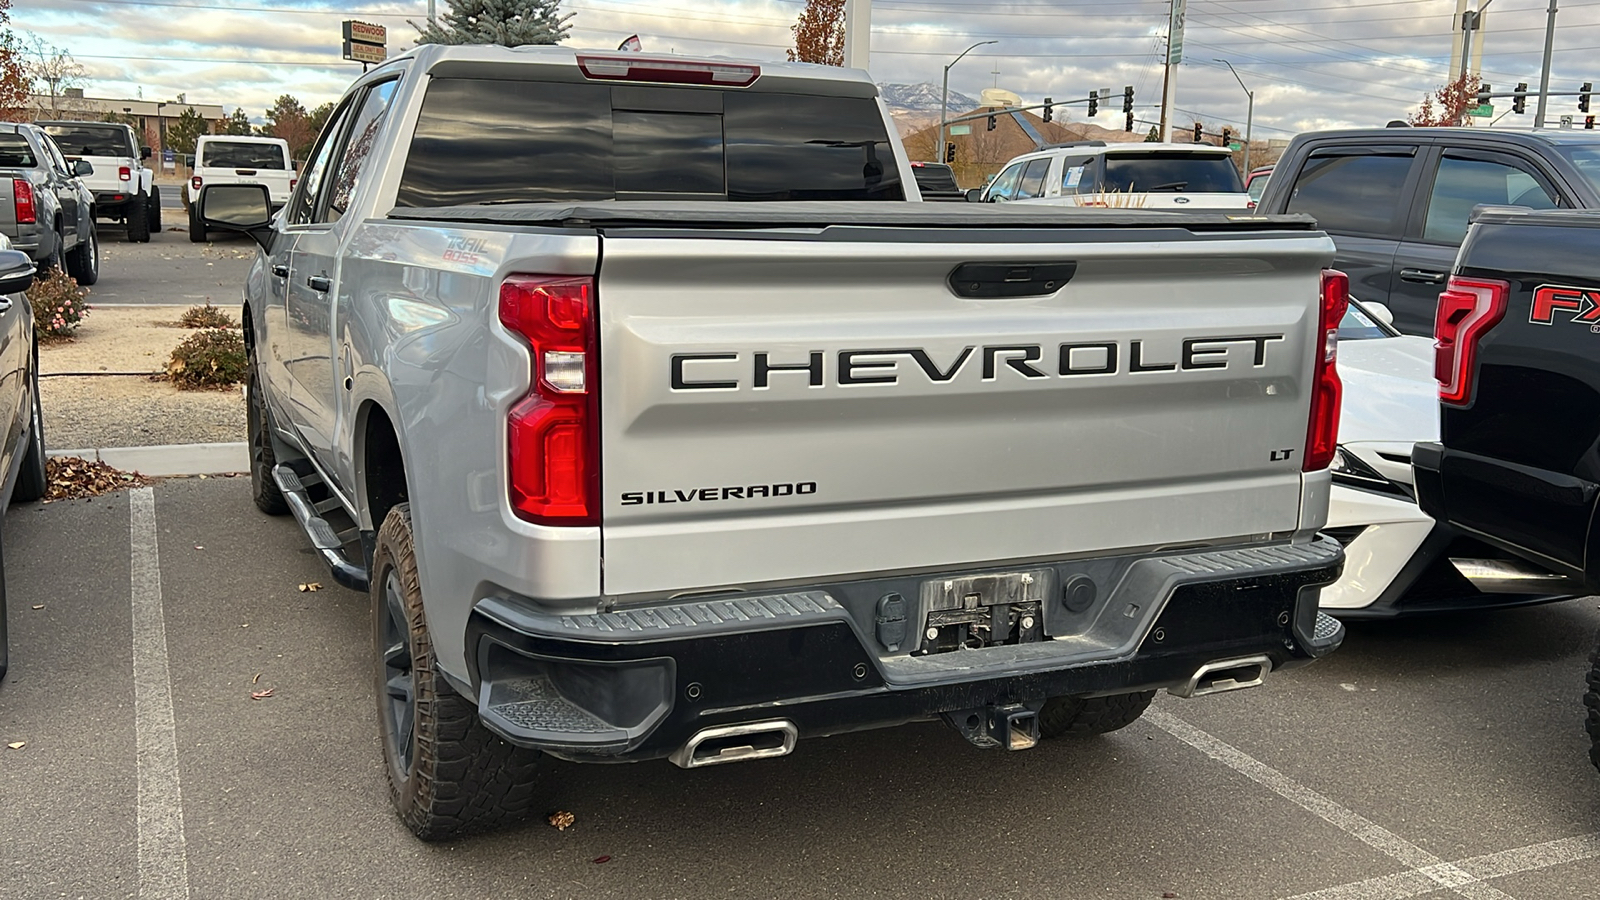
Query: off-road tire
[263,489]
[32,481]
[197,227]
[138,221]
[453,776]
[152,211]
[1591,702]
[1084,716]
[83,261]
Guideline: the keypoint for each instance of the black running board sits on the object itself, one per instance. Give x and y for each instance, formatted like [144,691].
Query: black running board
[322,534]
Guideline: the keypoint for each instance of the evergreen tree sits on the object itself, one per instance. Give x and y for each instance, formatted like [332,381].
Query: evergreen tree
[1154,137]
[510,23]
[237,123]
[181,136]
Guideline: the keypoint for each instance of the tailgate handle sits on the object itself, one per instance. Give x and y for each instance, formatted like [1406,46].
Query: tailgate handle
[244,171]
[1018,279]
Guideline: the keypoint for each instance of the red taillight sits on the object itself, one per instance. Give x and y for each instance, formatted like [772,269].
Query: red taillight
[22,192]
[195,182]
[292,183]
[553,461]
[634,67]
[1322,431]
[1468,308]
[124,173]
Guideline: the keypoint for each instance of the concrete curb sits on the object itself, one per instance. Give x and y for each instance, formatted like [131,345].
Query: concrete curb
[169,460]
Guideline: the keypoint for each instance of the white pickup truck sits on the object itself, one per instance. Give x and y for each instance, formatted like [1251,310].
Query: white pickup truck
[631,470]
[231,159]
[124,188]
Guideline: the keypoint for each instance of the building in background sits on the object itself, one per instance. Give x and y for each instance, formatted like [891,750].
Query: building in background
[150,118]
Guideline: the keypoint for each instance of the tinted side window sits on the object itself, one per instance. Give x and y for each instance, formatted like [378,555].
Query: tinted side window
[1462,184]
[1032,184]
[1077,175]
[1352,194]
[1006,185]
[358,146]
[15,152]
[304,202]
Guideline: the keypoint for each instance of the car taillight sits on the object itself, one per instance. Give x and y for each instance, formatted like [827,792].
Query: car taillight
[124,173]
[553,459]
[293,182]
[1468,308]
[1322,431]
[22,192]
[634,67]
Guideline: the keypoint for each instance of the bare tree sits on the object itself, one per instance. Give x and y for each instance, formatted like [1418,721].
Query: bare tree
[51,73]
[819,33]
[1449,104]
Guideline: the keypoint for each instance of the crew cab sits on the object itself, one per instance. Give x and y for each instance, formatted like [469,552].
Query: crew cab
[45,210]
[1123,176]
[1519,396]
[1396,200]
[659,421]
[124,188]
[229,159]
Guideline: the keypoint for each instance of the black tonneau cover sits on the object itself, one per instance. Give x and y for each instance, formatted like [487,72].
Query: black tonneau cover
[823,213]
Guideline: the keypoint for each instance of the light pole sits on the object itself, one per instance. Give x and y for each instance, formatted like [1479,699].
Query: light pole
[944,99]
[1249,115]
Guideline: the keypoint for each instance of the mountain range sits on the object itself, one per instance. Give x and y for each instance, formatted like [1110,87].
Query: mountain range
[922,98]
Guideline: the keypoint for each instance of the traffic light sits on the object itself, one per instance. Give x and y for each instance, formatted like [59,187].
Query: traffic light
[950,151]
[990,126]
[1484,93]
[1127,100]
[1197,133]
[1127,122]
[1225,135]
[1047,114]
[1583,98]
[1588,121]
[1094,102]
[1519,103]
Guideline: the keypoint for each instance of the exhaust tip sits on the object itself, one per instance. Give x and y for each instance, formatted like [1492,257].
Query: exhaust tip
[737,743]
[1225,675]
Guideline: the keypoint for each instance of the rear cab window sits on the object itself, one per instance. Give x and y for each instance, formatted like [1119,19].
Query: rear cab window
[1351,190]
[479,140]
[241,155]
[1170,170]
[91,140]
[15,152]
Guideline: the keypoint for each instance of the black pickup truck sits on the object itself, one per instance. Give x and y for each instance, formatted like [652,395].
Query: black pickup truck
[1517,343]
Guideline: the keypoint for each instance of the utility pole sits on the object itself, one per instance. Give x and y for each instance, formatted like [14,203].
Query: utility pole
[1471,21]
[1169,85]
[944,98]
[430,12]
[1249,115]
[1544,73]
[857,33]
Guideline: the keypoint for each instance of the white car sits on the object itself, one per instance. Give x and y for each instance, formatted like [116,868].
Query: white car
[1398,560]
[1128,176]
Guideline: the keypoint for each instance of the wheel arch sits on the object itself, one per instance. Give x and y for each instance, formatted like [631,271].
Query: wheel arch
[381,476]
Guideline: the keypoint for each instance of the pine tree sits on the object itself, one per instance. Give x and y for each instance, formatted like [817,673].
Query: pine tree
[182,134]
[1154,137]
[509,23]
[236,123]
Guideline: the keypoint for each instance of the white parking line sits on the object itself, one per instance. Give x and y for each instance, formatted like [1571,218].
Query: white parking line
[163,856]
[1480,868]
[1434,873]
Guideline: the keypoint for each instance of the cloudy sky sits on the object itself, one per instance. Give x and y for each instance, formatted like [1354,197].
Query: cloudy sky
[1311,63]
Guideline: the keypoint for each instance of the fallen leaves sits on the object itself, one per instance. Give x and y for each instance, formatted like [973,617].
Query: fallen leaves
[262,695]
[562,820]
[311,586]
[16,745]
[38,606]
[73,478]
[601,859]
[256,679]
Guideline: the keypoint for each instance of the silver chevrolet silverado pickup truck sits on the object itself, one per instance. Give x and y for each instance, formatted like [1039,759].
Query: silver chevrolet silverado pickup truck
[634,471]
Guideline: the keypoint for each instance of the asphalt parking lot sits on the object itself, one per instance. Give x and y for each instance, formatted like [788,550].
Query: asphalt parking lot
[1429,758]
[170,269]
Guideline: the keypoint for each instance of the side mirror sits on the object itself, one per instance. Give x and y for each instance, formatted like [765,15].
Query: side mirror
[245,208]
[1380,311]
[16,272]
[975,195]
[81,168]
[144,152]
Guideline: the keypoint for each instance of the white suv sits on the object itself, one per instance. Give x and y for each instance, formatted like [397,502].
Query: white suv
[229,159]
[1133,176]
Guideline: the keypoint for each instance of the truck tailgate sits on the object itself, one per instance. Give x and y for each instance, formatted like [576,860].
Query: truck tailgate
[792,407]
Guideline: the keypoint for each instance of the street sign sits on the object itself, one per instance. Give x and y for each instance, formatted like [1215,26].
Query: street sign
[1566,121]
[364,42]
[1235,145]
[364,53]
[1175,33]
[1482,111]
[960,129]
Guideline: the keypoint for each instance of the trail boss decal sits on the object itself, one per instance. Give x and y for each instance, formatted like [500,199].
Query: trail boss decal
[725,371]
[711,494]
[1584,303]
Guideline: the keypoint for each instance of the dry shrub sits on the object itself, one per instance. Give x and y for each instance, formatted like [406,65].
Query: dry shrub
[59,304]
[206,316]
[208,359]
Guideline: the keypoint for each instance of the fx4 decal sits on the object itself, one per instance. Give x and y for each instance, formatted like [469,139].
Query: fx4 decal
[1551,298]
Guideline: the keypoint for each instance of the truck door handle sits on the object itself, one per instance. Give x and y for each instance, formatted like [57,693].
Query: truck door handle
[1420,276]
[281,271]
[319,283]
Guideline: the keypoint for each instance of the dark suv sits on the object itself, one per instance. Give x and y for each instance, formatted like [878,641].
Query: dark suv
[1397,200]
